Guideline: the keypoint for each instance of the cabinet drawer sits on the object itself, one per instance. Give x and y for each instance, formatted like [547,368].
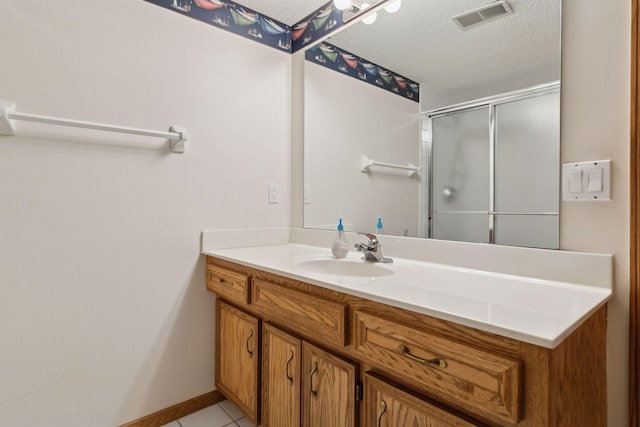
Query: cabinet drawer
[465,377]
[234,286]
[316,316]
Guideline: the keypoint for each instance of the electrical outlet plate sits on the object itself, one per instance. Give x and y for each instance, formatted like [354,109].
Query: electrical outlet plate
[307,194]
[274,193]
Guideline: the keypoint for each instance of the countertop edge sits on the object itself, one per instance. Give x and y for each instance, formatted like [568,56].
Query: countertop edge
[546,342]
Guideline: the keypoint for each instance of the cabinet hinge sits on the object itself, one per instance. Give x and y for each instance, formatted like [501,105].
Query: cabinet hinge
[359,391]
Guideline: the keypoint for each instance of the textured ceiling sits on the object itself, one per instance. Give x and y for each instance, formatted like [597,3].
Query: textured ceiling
[422,43]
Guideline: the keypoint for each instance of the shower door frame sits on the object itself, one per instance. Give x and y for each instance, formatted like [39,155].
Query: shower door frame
[426,212]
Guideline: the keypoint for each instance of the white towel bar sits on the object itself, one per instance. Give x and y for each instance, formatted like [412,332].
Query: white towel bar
[8,115]
[366,163]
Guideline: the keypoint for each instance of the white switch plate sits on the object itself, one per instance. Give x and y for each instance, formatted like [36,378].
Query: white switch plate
[274,193]
[307,194]
[579,190]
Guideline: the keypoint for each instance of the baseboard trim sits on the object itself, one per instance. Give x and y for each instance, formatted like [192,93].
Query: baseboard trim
[179,410]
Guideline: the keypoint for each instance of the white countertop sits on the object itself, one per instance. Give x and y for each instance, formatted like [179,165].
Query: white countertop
[537,311]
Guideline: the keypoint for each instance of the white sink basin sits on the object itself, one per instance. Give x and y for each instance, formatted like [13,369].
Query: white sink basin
[345,267]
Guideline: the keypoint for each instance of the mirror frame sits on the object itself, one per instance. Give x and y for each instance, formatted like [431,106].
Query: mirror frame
[634,224]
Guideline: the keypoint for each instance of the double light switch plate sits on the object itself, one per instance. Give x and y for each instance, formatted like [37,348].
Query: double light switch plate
[586,180]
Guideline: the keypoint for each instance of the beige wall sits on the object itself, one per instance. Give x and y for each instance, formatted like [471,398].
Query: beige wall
[344,119]
[595,125]
[104,316]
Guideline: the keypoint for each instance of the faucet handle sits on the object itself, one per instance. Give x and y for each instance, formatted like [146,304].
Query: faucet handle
[373,240]
[372,250]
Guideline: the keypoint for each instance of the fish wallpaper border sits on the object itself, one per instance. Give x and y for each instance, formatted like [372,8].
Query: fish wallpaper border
[238,19]
[337,59]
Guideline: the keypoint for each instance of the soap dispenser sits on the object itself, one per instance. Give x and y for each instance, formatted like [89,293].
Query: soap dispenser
[340,247]
[379,229]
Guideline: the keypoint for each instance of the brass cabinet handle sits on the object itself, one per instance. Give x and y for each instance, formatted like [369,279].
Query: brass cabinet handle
[224,282]
[438,362]
[220,280]
[383,409]
[313,371]
[248,349]
[286,368]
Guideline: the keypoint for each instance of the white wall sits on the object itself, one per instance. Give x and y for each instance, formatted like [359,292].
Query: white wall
[432,99]
[344,119]
[595,125]
[103,313]
[104,316]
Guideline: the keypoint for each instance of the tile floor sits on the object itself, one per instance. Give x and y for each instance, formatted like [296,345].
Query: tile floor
[222,414]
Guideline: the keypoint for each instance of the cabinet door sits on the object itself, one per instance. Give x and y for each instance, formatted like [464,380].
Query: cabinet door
[281,357]
[328,389]
[237,344]
[388,406]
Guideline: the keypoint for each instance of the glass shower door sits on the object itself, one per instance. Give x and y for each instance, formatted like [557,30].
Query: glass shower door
[460,176]
[527,151]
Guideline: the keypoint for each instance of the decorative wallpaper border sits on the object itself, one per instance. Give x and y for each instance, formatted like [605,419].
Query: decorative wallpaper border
[233,17]
[338,59]
[323,21]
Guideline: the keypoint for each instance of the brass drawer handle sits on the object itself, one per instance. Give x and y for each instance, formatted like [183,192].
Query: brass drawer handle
[220,280]
[383,409]
[438,362]
[313,371]
[248,339]
[224,282]
[286,368]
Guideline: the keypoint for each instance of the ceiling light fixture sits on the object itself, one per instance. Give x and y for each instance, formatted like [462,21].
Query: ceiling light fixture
[394,6]
[355,9]
[343,4]
[369,19]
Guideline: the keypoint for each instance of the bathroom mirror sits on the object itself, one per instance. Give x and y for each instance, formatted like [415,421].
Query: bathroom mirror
[506,47]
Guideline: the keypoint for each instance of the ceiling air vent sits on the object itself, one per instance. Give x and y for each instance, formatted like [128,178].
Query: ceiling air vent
[482,14]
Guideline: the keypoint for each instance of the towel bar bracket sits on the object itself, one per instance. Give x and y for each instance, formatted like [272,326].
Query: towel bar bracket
[366,163]
[7,126]
[178,146]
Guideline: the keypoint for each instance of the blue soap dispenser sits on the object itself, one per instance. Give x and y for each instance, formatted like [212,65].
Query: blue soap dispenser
[340,246]
[379,229]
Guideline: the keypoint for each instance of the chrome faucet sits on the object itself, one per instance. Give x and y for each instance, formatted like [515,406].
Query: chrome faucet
[372,249]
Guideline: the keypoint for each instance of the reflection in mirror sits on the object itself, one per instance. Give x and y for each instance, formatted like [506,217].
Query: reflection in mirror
[489,61]
[484,158]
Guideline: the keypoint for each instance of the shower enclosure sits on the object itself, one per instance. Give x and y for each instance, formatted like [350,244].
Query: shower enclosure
[493,170]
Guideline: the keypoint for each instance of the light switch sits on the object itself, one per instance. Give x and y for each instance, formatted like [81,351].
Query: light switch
[586,180]
[575,181]
[595,180]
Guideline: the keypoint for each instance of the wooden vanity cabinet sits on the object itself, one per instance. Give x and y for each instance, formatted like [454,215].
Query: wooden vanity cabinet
[314,315]
[444,368]
[387,405]
[237,358]
[328,390]
[293,354]
[304,385]
[281,378]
